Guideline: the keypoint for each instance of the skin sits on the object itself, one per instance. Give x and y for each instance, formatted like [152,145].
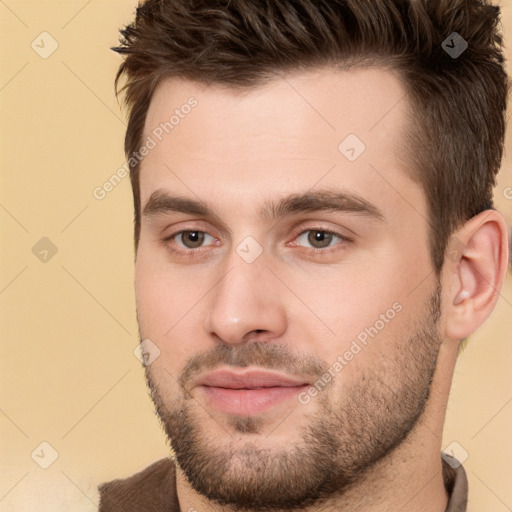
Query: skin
[236,150]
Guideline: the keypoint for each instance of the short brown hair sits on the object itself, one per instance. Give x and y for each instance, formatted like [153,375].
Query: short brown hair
[455,144]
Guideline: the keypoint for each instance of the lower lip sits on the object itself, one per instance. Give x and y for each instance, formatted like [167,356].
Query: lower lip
[247,402]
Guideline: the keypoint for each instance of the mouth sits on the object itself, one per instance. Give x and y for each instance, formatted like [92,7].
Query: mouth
[249,392]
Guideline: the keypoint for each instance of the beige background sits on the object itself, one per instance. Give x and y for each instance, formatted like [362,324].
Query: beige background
[68,373]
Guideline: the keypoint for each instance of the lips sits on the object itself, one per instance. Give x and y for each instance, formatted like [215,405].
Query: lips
[248,392]
[252,379]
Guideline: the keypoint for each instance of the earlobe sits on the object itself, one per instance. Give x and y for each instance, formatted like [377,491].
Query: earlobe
[475,277]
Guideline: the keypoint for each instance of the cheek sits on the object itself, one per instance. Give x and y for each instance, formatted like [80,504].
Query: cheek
[348,299]
[153,302]
[159,299]
[363,312]
[168,309]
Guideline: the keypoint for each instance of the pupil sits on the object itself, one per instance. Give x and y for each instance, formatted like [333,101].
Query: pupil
[320,236]
[192,239]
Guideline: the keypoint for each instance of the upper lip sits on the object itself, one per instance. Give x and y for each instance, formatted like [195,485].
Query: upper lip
[249,379]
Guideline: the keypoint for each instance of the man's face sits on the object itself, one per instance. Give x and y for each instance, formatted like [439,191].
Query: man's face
[297,341]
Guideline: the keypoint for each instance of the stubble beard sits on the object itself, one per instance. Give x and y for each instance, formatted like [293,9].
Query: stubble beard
[333,450]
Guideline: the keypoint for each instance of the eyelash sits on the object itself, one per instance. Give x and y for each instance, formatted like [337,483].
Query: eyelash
[344,240]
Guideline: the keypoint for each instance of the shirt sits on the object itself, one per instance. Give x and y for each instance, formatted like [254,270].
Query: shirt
[154,489]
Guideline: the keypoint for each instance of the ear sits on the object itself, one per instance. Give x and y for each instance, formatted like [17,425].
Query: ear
[475,269]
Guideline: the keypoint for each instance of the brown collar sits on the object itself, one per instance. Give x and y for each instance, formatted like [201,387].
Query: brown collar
[456,483]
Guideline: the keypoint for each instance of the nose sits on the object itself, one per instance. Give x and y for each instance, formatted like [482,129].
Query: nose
[246,301]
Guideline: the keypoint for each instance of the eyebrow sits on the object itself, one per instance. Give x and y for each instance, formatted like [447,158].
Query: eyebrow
[334,201]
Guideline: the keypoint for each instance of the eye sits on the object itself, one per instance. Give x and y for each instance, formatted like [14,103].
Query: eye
[321,238]
[190,239]
[193,242]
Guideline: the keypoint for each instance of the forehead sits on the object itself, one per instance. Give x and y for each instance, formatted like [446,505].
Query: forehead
[332,102]
[286,135]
